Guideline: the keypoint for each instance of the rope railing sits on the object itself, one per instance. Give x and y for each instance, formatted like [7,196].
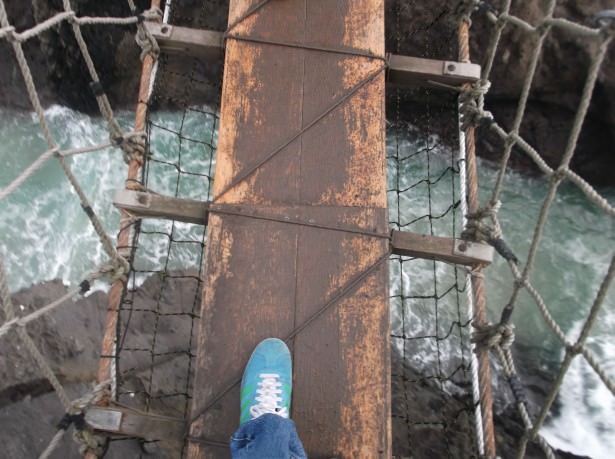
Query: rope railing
[474,114]
[130,143]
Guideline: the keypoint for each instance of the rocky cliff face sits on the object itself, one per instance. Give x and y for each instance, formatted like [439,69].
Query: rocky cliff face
[58,69]
[413,28]
[428,29]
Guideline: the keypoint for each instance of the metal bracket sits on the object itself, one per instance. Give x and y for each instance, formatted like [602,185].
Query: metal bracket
[403,70]
[127,422]
[206,44]
[148,205]
[444,249]
[412,71]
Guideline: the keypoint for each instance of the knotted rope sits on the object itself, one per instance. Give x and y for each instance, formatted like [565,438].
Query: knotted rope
[144,38]
[472,105]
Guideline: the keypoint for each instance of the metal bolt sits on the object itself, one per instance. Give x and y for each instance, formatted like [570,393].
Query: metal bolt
[451,67]
[142,198]
[164,29]
[463,247]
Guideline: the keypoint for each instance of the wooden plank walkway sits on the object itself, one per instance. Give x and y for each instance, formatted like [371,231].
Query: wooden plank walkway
[301,135]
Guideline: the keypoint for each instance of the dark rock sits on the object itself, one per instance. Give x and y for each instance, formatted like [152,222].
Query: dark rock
[69,338]
[56,62]
[429,420]
[556,90]
[428,29]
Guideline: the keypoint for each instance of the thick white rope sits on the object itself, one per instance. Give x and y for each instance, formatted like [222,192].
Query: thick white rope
[474,113]
[478,417]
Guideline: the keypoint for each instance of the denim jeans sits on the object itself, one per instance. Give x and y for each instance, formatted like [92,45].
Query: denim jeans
[267,437]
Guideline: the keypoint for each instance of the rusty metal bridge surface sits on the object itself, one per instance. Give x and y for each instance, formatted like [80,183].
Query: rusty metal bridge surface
[302,138]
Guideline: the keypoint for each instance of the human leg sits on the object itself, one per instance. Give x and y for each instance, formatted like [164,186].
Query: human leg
[267,437]
[265,428]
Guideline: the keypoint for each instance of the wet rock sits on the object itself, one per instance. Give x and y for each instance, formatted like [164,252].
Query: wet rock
[429,30]
[429,419]
[69,338]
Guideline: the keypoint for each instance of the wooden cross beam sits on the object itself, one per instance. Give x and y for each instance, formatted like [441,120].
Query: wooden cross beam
[402,70]
[148,205]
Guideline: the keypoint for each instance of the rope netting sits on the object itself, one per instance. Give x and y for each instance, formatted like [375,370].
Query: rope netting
[131,144]
[433,407]
[433,398]
[158,319]
[484,223]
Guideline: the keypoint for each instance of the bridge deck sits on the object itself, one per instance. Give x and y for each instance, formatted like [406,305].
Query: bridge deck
[301,135]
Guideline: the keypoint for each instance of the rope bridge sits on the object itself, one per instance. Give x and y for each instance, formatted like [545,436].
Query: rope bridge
[450,294]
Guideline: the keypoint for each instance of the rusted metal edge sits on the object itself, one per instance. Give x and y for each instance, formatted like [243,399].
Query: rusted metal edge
[402,70]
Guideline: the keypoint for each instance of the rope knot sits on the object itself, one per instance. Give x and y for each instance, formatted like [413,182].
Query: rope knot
[476,271]
[466,8]
[144,38]
[487,7]
[87,439]
[489,336]
[116,269]
[90,442]
[8,33]
[574,349]
[72,18]
[153,14]
[471,104]
[559,174]
[477,229]
[132,145]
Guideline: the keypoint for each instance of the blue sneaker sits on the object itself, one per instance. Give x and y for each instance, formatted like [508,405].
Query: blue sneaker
[267,381]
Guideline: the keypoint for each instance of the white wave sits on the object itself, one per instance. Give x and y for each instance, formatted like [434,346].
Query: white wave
[585,424]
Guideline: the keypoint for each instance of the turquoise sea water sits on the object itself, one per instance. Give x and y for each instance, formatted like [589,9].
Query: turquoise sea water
[46,235]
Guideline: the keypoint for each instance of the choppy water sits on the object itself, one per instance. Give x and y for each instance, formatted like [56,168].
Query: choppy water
[46,235]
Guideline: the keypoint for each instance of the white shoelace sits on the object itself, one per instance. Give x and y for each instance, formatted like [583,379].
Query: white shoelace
[268,397]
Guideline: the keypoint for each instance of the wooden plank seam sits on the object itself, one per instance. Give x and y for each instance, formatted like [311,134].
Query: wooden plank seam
[350,286]
[348,95]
